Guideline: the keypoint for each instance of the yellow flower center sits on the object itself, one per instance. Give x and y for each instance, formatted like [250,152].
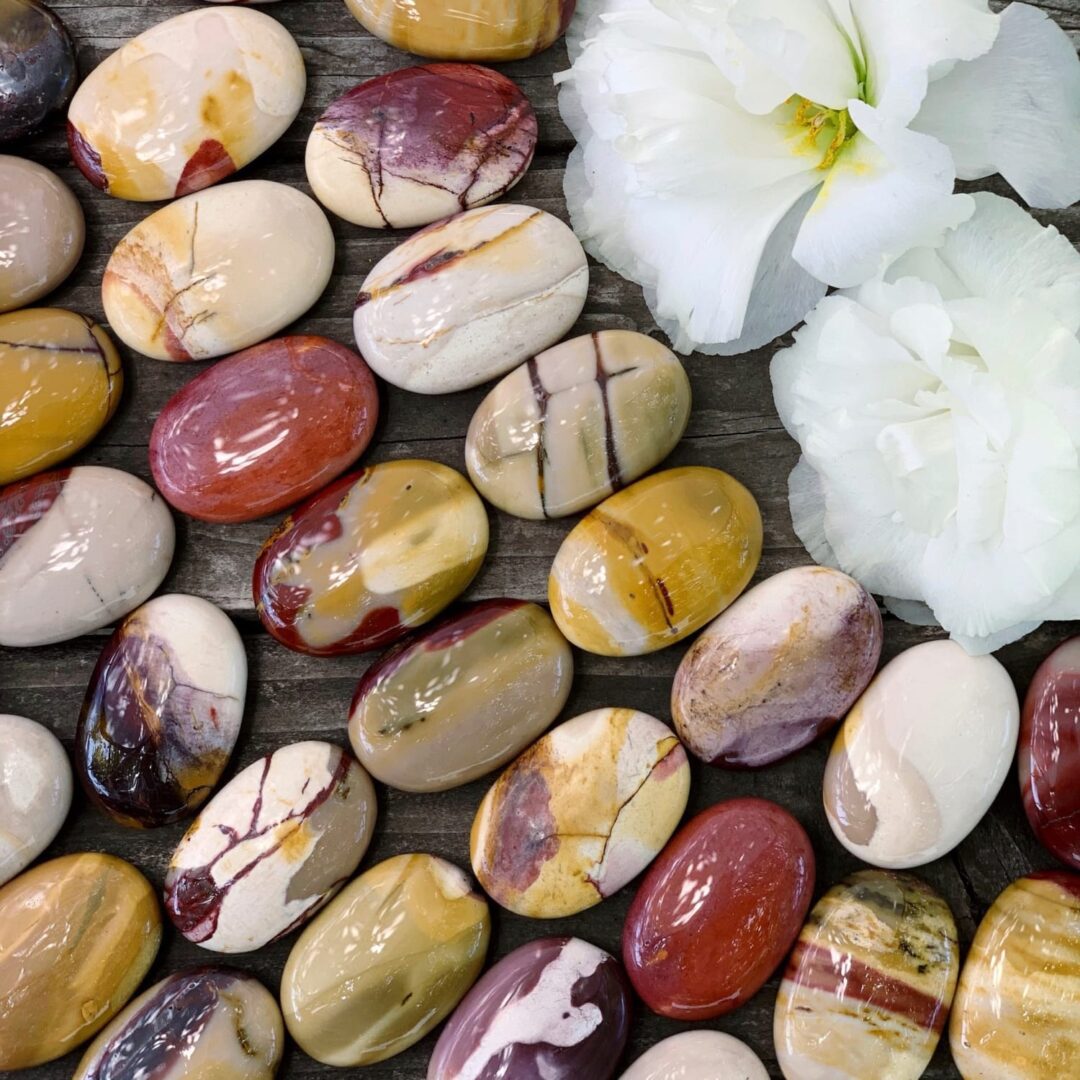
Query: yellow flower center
[820,129]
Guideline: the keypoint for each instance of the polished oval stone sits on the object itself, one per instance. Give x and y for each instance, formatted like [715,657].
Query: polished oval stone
[778,668]
[202,1023]
[1050,753]
[697,947]
[469,298]
[77,936]
[655,562]
[570,426]
[270,848]
[162,712]
[869,984]
[580,813]
[555,1009]
[387,961]
[79,548]
[698,1055]
[186,103]
[420,144]
[263,429]
[1017,1009]
[218,270]
[35,792]
[921,756]
[459,700]
[370,557]
[42,231]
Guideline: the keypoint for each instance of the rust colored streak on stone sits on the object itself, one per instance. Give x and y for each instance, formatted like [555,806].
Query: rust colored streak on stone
[639,551]
[209,164]
[523,832]
[542,397]
[24,504]
[614,474]
[1067,882]
[86,158]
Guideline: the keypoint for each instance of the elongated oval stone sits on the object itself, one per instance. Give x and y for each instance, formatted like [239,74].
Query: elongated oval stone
[469,298]
[77,935]
[370,557]
[570,426]
[386,961]
[420,144]
[218,270]
[186,103]
[655,562]
[580,813]
[698,1055]
[264,429]
[78,548]
[921,756]
[204,1022]
[459,700]
[869,984]
[555,1009]
[270,848]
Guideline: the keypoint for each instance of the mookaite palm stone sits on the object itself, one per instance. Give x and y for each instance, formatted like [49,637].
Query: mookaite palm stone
[386,961]
[77,936]
[270,848]
[1017,1009]
[555,1009]
[204,1023]
[580,813]
[570,426]
[263,429]
[698,1055]
[655,562]
[461,699]
[869,984]
[420,144]
[186,103]
[371,556]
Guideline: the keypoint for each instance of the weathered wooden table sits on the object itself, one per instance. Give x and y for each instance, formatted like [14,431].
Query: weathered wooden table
[291,697]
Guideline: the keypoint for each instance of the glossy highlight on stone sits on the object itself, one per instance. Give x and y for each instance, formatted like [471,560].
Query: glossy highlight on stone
[555,1009]
[419,144]
[698,1055]
[370,557]
[580,813]
[577,422]
[263,429]
[386,961]
[468,298]
[186,103]
[655,562]
[695,952]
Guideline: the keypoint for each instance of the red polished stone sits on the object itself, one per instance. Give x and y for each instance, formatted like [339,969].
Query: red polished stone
[719,909]
[263,429]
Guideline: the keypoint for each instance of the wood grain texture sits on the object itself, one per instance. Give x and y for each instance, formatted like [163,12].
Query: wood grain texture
[733,426]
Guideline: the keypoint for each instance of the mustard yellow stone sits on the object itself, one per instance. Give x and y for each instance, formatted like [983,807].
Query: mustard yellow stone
[655,562]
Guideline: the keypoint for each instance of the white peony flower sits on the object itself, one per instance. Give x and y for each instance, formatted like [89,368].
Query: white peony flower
[736,157]
[938,411]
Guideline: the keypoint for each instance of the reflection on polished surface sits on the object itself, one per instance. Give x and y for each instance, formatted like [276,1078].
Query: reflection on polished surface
[698,1055]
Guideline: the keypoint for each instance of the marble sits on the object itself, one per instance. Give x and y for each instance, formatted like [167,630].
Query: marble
[555,1009]
[698,1055]
[217,271]
[263,429]
[468,298]
[419,144]
[270,848]
[77,936]
[462,699]
[370,557]
[655,562]
[869,984]
[186,103]
[780,667]
[35,792]
[719,909]
[580,814]
[1049,758]
[79,549]
[194,1025]
[921,756]
[570,426]
[1017,1009]
[42,231]
[386,962]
